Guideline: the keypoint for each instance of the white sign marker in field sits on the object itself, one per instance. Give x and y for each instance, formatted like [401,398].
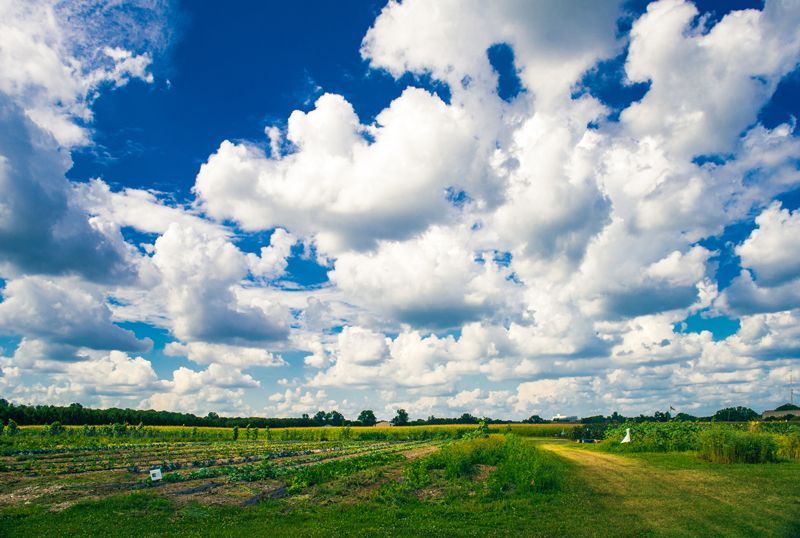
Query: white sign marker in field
[626,439]
[155,475]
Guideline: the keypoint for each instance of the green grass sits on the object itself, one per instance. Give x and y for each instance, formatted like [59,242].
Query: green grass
[598,494]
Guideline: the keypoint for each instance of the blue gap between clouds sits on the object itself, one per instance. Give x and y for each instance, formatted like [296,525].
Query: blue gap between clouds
[721,327]
[501,58]
[301,268]
[228,77]
[606,80]
[784,105]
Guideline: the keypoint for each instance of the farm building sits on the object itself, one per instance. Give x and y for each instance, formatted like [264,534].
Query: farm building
[782,411]
[383,424]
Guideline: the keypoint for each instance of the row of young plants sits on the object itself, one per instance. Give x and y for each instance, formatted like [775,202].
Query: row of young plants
[756,442]
[301,470]
[291,456]
[133,453]
[187,456]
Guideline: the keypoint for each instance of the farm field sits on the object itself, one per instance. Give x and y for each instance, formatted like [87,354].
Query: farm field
[413,483]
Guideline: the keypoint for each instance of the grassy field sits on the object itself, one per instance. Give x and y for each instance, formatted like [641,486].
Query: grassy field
[499,485]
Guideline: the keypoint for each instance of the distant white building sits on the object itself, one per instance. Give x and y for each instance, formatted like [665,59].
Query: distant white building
[563,418]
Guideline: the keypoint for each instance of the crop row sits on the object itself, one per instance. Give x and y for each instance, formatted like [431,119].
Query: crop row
[205,456]
[227,449]
[269,469]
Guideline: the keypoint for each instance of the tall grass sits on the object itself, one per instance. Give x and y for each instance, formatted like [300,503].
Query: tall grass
[724,445]
[520,467]
[789,446]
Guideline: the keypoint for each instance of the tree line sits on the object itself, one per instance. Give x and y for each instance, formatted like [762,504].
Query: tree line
[728,414]
[76,414]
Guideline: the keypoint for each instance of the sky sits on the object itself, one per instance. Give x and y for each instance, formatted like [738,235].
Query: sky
[505,209]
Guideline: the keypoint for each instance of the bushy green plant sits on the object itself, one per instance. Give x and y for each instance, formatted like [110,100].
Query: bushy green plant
[523,468]
[789,446]
[724,445]
[674,436]
[460,458]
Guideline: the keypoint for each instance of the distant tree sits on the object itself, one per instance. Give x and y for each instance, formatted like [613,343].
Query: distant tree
[787,407]
[685,417]
[596,419]
[616,417]
[334,418]
[305,416]
[535,419]
[367,417]
[736,414]
[401,419]
[659,416]
[319,418]
[466,418]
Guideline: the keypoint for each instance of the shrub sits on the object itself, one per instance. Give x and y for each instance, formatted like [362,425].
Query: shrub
[789,446]
[723,445]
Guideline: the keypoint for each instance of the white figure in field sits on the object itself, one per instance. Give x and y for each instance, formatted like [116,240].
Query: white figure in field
[627,438]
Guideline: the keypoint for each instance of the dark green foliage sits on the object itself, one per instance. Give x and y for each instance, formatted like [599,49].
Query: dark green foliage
[589,431]
[654,436]
[401,419]
[334,418]
[725,445]
[788,407]
[54,429]
[736,414]
[367,417]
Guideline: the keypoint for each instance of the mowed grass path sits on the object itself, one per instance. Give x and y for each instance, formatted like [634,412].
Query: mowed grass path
[679,495]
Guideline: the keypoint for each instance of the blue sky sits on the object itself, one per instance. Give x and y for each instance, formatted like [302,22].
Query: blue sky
[505,210]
